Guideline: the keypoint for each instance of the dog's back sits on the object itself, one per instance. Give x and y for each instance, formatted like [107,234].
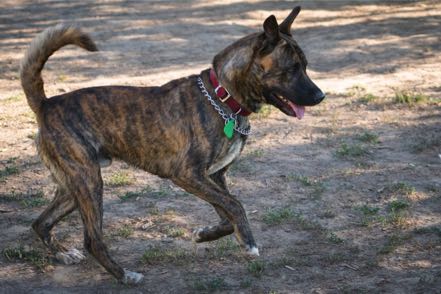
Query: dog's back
[145,126]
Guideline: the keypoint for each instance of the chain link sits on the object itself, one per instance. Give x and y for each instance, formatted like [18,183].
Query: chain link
[225,116]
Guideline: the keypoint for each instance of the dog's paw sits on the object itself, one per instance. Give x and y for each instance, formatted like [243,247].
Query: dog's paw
[71,256]
[196,235]
[131,277]
[252,251]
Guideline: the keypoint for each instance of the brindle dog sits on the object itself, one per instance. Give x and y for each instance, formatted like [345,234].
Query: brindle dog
[172,131]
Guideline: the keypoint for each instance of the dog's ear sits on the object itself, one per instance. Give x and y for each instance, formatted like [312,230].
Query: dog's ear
[271,29]
[285,26]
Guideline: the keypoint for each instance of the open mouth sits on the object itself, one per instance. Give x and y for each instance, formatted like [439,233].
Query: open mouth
[287,107]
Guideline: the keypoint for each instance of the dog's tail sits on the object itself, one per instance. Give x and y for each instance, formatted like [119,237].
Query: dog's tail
[43,46]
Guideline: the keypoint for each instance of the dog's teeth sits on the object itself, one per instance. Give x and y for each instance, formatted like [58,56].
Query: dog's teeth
[283,99]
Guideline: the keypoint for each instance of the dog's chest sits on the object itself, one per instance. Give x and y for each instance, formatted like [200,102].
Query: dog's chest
[232,153]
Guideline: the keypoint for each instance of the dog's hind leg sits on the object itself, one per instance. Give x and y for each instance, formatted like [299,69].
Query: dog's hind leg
[206,189]
[224,227]
[87,186]
[61,205]
[76,165]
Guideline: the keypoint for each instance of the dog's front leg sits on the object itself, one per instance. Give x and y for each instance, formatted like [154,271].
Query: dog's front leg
[224,228]
[225,203]
[212,233]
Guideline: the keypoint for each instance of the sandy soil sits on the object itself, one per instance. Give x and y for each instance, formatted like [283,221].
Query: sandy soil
[348,200]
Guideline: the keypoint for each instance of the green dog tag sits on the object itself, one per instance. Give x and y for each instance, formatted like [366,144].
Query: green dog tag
[229,128]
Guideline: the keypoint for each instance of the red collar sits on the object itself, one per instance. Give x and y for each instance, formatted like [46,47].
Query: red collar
[225,97]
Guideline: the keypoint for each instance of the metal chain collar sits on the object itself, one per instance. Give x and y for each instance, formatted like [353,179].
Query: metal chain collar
[226,117]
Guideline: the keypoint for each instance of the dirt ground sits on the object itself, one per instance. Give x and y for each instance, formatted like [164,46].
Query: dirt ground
[347,200]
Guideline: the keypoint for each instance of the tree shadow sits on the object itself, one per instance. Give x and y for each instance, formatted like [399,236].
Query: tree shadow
[138,37]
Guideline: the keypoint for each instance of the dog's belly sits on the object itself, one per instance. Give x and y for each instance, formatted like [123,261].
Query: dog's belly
[232,153]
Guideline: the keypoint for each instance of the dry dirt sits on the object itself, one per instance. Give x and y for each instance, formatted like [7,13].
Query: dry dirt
[347,200]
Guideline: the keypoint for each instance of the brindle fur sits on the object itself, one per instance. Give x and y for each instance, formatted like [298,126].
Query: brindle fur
[170,131]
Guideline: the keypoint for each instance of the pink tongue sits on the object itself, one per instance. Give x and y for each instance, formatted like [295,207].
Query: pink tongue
[299,110]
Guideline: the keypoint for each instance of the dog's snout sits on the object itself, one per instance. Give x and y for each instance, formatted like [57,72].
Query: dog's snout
[319,96]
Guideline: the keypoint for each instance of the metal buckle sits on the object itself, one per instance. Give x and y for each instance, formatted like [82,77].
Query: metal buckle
[222,99]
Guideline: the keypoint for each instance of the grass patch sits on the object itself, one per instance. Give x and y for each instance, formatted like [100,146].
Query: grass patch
[278,216]
[391,244]
[367,98]
[211,284]
[120,178]
[13,98]
[409,98]
[305,224]
[31,256]
[360,93]
[157,255]
[174,232]
[398,210]
[333,238]
[34,202]
[429,230]
[351,150]
[225,247]
[135,194]
[162,192]
[397,206]
[131,195]
[9,171]
[256,267]
[369,214]
[401,189]
[317,187]
[368,210]
[124,231]
[367,137]
[153,210]
[27,200]
[356,91]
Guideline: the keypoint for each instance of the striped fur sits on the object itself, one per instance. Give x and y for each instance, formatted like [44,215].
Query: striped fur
[171,131]
[41,48]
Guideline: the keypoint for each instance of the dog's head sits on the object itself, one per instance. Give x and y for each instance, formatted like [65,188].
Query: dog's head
[268,67]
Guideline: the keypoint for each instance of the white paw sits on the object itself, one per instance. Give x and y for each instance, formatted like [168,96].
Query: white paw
[71,256]
[196,235]
[252,251]
[132,277]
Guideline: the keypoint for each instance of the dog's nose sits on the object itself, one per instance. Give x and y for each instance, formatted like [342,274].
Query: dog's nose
[319,96]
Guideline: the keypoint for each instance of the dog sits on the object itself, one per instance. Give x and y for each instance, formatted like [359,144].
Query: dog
[189,130]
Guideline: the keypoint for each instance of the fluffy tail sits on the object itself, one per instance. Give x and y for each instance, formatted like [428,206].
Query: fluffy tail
[43,46]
